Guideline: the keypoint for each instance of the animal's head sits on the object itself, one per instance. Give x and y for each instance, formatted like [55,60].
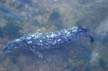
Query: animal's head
[10,46]
[13,45]
[16,46]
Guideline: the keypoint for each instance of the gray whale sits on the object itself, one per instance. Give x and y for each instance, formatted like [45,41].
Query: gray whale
[49,41]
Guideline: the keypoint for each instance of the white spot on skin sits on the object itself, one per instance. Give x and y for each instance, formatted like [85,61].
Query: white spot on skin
[28,37]
[36,37]
[18,40]
[53,35]
[32,35]
[65,31]
[40,40]
[59,40]
[68,33]
[54,42]
[39,34]
[29,42]
[47,36]
[75,29]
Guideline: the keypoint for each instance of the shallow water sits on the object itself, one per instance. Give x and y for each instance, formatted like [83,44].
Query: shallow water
[22,17]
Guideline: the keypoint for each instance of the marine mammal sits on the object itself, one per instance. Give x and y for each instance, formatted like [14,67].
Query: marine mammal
[47,41]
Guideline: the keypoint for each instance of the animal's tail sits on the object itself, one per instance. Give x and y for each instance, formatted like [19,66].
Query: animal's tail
[88,33]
